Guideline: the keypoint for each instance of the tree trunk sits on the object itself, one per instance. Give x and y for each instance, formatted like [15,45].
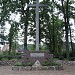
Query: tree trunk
[25,14]
[71,41]
[26,27]
[66,23]
[10,45]
[53,38]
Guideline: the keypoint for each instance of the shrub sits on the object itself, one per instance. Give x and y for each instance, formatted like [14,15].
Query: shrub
[46,63]
[10,57]
[18,64]
[1,57]
[23,64]
[19,56]
[72,58]
[5,53]
[4,59]
[28,64]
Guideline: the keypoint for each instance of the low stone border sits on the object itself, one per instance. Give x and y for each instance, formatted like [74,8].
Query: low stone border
[71,63]
[29,68]
[7,62]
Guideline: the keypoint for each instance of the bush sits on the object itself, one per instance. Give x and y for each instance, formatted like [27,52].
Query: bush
[61,58]
[72,58]
[46,63]
[23,64]
[5,53]
[18,53]
[4,59]
[10,57]
[27,64]
[19,57]
[18,64]
[1,57]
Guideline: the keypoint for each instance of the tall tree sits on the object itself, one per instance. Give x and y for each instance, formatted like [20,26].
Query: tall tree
[25,14]
[12,35]
[16,6]
[67,10]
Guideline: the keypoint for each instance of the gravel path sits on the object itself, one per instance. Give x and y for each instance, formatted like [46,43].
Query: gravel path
[68,70]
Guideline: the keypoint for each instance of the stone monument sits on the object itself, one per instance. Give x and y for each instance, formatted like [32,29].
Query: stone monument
[33,56]
[37,57]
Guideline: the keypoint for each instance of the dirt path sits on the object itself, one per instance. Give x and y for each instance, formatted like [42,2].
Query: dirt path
[68,70]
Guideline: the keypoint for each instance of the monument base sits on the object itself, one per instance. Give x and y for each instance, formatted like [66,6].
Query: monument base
[31,68]
[37,58]
[33,56]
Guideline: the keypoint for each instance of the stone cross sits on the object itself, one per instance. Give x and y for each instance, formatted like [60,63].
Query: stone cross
[37,5]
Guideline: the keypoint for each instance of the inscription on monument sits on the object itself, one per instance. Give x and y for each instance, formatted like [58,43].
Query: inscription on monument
[36,54]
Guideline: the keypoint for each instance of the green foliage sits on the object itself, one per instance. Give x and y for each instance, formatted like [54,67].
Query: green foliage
[18,64]
[5,53]
[12,36]
[23,64]
[27,64]
[46,63]
[72,58]
[0,57]
[18,53]
[31,47]
[4,59]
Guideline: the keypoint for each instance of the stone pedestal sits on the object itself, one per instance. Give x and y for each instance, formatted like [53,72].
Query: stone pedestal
[33,56]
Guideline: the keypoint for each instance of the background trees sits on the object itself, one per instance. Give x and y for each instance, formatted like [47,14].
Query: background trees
[67,10]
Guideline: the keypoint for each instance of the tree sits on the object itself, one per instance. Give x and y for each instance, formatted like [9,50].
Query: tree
[25,14]
[12,35]
[66,12]
[4,15]
[66,9]
[16,6]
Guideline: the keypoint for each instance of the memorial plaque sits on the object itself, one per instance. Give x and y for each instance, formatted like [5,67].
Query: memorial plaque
[36,54]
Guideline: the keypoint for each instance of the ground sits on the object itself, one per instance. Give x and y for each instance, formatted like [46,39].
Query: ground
[68,70]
